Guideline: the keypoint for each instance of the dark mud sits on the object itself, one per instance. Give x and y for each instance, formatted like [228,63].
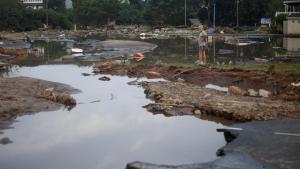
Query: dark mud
[23,95]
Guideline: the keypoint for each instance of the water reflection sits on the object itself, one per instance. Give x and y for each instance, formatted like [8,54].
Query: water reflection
[105,134]
[292,45]
[185,50]
[176,50]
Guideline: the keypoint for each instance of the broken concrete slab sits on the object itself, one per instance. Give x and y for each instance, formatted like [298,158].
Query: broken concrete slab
[259,145]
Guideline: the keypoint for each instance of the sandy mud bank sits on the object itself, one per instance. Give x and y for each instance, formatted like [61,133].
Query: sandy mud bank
[23,95]
[186,94]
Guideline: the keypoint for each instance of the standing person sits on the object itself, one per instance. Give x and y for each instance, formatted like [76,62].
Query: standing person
[202,43]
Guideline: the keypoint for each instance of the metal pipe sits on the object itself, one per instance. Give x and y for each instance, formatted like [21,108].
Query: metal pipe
[237,15]
[185,21]
[214,15]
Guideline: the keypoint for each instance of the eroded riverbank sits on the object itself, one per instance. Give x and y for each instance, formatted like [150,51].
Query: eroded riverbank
[186,94]
[107,129]
[24,95]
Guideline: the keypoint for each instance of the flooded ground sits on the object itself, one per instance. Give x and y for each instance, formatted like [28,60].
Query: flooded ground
[179,51]
[109,126]
[107,129]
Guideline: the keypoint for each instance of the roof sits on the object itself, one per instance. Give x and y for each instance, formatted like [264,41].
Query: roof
[297,2]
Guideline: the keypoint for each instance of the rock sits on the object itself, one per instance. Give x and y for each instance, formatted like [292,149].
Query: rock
[48,91]
[105,66]
[67,100]
[264,93]
[86,74]
[291,97]
[5,141]
[152,75]
[197,112]
[135,82]
[252,92]
[236,90]
[180,80]
[296,84]
[104,78]
[207,95]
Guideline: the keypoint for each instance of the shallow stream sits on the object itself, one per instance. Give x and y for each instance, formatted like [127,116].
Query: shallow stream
[109,128]
[106,130]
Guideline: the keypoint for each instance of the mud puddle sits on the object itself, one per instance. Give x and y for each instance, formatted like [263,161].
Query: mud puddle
[107,129]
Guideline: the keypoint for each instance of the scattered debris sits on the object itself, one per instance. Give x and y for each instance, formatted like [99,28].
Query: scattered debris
[175,98]
[236,90]
[260,60]
[198,112]
[5,141]
[3,65]
[296,84]
[264,93]
[290,97]
[96,101]
[215,87]
[253,93]
[152,75]
[138,56]
[86,74]
[104,78]
[64,99]
[135,83]
[76,50]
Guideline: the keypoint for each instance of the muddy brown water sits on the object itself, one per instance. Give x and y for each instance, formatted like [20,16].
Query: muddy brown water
[106,130]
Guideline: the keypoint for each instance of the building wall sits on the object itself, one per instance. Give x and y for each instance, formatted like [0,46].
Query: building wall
[291,44]
[291,27]
[33,1]
[34,4]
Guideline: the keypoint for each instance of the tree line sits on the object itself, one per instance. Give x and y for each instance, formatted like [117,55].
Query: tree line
[14,15]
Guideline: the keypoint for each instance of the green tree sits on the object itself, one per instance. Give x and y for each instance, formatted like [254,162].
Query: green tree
[95,12]
[58,5]
[171,11]
[131,14]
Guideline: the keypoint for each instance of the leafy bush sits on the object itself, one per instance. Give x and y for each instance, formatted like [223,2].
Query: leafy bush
[277,25]
[55,19]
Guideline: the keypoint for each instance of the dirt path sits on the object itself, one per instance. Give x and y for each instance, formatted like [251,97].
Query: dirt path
[23,95]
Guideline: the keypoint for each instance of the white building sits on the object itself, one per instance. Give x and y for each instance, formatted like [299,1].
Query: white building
[34,4]
[292,25]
